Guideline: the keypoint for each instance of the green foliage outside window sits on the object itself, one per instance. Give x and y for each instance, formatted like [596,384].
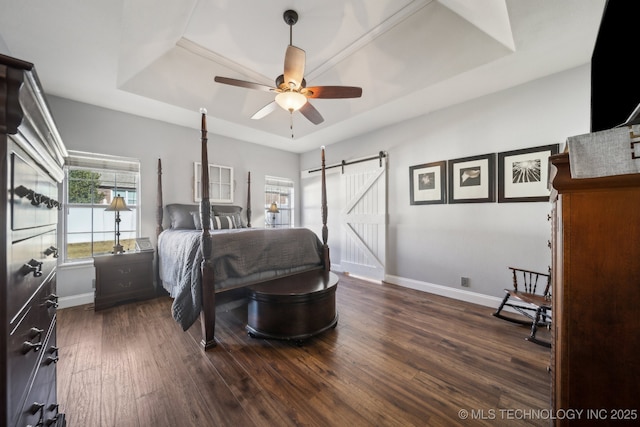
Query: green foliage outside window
[84,187]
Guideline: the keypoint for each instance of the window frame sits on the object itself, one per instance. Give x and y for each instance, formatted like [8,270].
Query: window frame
[98,163]
[271,186]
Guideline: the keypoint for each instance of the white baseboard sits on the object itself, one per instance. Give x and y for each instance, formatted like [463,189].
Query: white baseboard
[445,291]
[75,300]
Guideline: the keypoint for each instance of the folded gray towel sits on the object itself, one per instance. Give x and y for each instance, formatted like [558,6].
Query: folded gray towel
[603,153]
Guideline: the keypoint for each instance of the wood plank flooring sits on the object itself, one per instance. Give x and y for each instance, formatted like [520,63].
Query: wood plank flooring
[397,357]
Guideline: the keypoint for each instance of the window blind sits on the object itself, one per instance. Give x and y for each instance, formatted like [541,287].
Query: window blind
[102,161]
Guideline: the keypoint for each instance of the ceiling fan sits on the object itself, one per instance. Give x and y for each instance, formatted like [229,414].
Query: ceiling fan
[291,87]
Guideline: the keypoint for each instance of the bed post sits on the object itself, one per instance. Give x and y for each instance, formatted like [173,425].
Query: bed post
[249,200]
[159,206]
[325,230]
[208,313]
[159,217]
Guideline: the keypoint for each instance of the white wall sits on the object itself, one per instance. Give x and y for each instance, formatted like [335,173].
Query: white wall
[89,128]
[431,246]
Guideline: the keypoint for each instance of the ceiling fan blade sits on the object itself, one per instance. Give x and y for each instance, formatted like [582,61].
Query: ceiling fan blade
[310,112]
[264,111]
[294,60]
[242,83]
[333,92]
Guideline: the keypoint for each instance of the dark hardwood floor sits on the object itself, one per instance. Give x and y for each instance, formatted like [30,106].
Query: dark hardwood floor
[397,357]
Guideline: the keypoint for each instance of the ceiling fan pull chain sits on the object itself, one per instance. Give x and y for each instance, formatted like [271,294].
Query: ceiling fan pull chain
[291,123]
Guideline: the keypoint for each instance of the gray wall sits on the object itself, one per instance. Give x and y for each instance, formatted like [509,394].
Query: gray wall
[431,246]
[88,128]
[4,49]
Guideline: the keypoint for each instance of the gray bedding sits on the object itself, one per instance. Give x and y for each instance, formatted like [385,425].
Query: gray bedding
[240,257]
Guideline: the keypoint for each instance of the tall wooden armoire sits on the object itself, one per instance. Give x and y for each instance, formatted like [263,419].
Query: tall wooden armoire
[596,292]
[31,160]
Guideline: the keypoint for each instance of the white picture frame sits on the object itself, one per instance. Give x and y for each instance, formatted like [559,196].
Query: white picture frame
[143,244]
[220,183]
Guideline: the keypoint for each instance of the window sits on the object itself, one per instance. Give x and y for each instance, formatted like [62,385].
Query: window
[91,182]
[220,183]
[280,192]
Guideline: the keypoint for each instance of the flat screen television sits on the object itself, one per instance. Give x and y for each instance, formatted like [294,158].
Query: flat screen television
[615,66]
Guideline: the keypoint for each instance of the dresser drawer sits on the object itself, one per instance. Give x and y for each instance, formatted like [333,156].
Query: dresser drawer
[32,261]
[40,408]
[29,331]
[34,202]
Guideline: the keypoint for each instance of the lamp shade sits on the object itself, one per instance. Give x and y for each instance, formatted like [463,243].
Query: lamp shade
[117,205]
[274,208]
[291,101]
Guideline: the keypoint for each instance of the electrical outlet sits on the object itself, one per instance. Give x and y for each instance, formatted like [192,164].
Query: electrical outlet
[464,282]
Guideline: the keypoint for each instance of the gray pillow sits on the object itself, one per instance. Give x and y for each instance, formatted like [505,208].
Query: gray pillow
[180,215]
[196,219]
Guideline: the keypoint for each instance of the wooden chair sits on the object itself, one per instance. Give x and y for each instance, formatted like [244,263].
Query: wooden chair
[531,297]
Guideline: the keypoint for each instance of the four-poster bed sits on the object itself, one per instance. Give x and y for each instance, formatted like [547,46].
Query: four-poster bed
[208,249]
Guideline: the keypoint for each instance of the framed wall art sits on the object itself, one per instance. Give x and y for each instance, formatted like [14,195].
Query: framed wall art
[523,175]
[428,183]
[220,183]
[472,179]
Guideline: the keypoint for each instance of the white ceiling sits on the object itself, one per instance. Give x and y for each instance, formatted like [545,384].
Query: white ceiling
[157,58]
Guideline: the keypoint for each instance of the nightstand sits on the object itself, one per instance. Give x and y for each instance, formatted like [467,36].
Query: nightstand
[122,278]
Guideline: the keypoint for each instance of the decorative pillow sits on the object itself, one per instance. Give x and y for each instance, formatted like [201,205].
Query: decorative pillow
[231,211]
[196,219]
[180,215]
[222,222]
[235,218]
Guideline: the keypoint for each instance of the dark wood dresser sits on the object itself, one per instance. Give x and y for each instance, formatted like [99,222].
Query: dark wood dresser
[32,160]
[596,292]
[123,277]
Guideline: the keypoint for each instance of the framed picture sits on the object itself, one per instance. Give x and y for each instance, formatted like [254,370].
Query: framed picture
[143,244]
[428,183]
[523,175]
[472,179]
[220,183]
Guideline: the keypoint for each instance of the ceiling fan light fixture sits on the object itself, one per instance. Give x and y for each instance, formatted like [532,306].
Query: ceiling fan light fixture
[291,101]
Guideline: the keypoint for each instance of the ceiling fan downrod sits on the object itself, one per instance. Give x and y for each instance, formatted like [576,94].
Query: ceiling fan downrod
[290,18]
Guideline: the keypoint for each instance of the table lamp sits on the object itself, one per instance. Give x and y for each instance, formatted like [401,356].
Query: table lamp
[273,210]
[117,205]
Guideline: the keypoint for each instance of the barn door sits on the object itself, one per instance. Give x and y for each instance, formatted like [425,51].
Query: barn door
[364,218]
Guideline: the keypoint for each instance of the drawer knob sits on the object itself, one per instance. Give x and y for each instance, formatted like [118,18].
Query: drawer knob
[51,303]
[54,407]
[33,266]
[36,407]
[54,356]
[27,346]
[51,250]
[36,332]
[51,359]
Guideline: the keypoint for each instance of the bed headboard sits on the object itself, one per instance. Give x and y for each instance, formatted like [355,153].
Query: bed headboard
[186,216]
